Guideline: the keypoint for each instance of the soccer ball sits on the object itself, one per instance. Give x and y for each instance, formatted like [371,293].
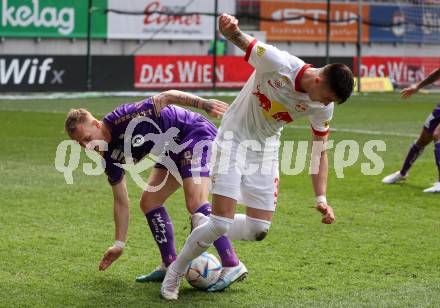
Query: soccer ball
[203,271]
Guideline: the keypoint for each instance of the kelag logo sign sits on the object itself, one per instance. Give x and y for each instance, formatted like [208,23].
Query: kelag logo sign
[50,18]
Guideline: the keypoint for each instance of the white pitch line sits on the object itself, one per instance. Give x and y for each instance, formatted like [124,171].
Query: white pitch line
[81,95]
[61,95]
[357,131]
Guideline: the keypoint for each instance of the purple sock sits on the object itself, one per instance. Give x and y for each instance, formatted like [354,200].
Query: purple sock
[437,157]
[222,244]
[413,153]
[162,229]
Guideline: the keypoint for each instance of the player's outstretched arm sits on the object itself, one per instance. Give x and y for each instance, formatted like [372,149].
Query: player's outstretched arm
[319,178]
[213,107]
[228,26]
[433,77]
[121,215]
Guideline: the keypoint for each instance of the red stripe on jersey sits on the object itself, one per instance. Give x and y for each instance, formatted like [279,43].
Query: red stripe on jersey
[319,133]
[298,78]
[249,49]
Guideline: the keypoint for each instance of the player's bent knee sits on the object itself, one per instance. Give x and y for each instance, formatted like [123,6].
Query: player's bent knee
[193,204]
[146,205]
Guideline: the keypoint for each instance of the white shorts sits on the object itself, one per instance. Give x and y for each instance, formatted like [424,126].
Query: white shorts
[249,177]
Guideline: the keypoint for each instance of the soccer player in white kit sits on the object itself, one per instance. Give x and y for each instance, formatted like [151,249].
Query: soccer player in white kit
[281,89]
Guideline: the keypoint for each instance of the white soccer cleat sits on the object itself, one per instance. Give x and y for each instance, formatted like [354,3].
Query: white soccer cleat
[394,178]
[434,189]
[171,283]
[228,276]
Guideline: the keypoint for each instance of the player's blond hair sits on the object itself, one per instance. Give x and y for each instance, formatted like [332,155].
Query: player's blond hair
[75,117]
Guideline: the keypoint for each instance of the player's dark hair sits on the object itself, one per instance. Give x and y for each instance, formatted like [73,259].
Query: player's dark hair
[340,80]
[75,117]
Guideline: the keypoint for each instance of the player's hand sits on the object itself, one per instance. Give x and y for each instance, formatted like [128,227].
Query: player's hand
[111,255]
[328,217]
[215,108]
[407,92]
[228,25]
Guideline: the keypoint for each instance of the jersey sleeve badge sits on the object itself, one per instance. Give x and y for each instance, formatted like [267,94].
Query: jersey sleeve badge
[260,51]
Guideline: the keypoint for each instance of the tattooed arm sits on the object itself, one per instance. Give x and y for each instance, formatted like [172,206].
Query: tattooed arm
[430,79]
[213,107]
[228,26]
[407,92]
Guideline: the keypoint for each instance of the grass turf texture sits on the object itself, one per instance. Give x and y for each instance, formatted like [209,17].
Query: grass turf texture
[383,249]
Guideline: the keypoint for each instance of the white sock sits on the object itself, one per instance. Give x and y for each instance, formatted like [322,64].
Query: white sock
[248,228]
[200,239]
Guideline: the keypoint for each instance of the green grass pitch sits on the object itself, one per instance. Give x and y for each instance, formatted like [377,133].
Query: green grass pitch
[383,250]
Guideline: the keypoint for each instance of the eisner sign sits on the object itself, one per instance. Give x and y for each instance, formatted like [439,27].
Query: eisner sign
[189,72]
[165,19]
[152,18]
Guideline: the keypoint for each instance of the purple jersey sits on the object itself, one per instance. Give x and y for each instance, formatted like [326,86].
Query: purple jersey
[172,133]
[433,120]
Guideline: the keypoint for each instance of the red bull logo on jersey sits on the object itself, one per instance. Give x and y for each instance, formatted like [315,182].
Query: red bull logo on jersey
[282,116]
[272,109]
[265,102]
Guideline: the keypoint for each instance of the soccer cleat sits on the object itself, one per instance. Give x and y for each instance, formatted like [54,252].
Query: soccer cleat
[157,275]
[171,283]
[434,189]
[394,178]
[228,276]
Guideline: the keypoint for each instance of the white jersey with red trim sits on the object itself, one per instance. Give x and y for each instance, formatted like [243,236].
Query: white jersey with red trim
[271,98]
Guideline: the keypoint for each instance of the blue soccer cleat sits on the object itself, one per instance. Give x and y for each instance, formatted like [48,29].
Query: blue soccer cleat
[228,276]
[157,275]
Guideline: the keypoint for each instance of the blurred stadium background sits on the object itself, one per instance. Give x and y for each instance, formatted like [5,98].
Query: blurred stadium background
[138,45]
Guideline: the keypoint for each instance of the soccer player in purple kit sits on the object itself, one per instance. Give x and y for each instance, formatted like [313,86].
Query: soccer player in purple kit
[430,132]
[159,128]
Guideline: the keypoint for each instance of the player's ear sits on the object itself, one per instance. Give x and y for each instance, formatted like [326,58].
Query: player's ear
[96,123]
[318,80]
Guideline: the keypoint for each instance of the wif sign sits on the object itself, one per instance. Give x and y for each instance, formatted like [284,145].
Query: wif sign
[40,73]
[27,71]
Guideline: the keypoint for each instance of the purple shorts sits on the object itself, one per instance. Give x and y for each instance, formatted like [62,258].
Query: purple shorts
[433,120]
[193,161]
